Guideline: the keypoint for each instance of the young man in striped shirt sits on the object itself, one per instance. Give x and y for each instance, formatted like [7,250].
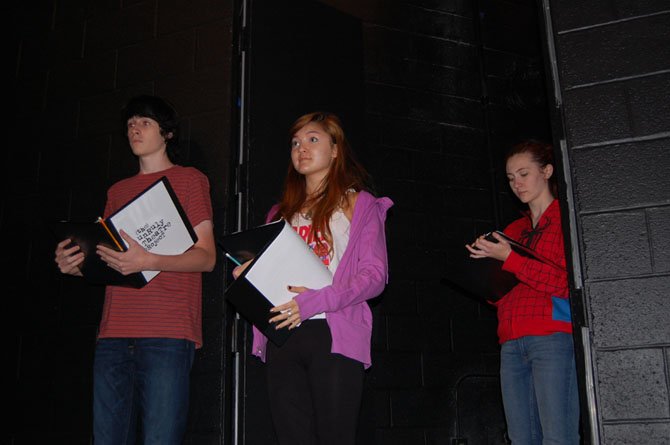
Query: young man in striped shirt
[148,336]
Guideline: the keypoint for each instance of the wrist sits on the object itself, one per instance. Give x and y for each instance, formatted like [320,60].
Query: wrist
[507,253]
[150,262]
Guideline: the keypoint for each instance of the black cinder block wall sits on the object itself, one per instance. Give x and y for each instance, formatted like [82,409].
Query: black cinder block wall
[613,80]
[441,103]
[448,86]
[73,65]
[426,148]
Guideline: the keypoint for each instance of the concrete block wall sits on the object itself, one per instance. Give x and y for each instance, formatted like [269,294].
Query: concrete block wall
[614,72]
[438,120]
[75,64]
[425,134]
[447,89]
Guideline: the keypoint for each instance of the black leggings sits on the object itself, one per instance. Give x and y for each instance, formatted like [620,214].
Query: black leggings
[315,395]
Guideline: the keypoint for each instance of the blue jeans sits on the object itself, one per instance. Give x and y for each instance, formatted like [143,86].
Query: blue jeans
[148,377]
[539,389]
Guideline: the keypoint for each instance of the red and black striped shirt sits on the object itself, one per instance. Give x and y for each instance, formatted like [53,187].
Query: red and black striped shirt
[170,306]
[536,305]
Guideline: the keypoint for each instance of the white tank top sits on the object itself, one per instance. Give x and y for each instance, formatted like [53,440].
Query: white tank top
[330,255]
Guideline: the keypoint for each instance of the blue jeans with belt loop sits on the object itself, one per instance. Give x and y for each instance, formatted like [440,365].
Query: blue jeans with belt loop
[145,377]
[539,387]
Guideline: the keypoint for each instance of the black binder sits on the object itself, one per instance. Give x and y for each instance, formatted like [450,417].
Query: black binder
[153,235]
[244,246]
[483,278]
[87,235]
[285,252]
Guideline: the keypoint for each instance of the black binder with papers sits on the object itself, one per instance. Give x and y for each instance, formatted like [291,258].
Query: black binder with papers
[154,218]
[279,257]
[483,278]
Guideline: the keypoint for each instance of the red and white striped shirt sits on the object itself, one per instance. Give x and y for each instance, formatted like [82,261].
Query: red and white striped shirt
[170,306]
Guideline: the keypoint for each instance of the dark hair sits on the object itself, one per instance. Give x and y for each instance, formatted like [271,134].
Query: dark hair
[159,110]
[542,153]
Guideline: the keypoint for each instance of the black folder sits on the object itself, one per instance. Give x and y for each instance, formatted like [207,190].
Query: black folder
[251,243]
[167,225]
[255,308]
[483,278]
[278,255]
[87,235]
[522,249]
[248,301]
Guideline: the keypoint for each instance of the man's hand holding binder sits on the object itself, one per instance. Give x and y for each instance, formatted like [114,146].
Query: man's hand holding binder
[69,257]
[104,252]
[134,259]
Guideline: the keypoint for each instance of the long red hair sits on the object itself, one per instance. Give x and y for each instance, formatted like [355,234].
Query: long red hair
[345,173]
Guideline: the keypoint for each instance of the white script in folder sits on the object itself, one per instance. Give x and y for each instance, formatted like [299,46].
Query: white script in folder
[155,223]
[288,261]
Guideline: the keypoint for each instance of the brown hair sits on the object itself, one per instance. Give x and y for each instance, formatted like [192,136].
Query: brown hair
[345,173]
[542,153]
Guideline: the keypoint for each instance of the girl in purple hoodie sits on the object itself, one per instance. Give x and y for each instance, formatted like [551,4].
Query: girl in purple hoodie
[315,380]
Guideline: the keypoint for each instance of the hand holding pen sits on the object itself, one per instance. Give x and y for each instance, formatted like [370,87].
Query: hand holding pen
[483,248]
[240,266]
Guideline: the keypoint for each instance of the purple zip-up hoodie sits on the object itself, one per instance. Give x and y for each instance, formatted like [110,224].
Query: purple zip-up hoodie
[362,274]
